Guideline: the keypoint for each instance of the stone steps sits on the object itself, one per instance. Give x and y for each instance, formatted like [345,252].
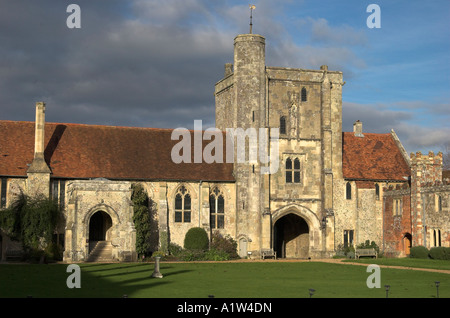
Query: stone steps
[102,252]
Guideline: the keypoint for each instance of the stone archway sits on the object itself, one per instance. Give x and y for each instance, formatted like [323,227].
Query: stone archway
[291,237]
[296,232]
[100,224]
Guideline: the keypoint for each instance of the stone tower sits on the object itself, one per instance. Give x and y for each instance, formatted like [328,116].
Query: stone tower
[290,210]
[246,109]
[425,171]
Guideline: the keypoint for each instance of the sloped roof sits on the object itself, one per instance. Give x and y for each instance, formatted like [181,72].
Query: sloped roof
[372,157]
[94,151]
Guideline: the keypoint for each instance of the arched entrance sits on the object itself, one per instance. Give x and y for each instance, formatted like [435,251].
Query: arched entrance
[99,225]
[407,239]
[291,237]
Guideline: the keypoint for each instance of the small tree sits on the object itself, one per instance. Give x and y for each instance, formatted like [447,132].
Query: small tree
[32,220]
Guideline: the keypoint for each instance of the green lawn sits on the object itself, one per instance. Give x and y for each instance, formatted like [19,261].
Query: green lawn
[223,280]
[406,262]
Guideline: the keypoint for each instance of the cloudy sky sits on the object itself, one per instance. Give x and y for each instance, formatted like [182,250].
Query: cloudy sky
[149,63]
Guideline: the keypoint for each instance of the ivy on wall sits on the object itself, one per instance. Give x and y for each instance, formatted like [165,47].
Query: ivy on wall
[141,219]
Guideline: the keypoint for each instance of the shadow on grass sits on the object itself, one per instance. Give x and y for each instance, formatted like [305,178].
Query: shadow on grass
[97,280]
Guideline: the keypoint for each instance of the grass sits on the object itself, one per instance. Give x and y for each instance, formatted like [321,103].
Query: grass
[223,280]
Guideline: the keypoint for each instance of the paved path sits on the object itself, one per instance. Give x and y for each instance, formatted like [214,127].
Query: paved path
[340,261]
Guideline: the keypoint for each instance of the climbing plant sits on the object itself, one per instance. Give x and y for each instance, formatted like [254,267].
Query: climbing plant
[141,218]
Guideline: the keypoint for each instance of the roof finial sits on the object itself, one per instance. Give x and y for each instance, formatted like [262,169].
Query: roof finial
[252,7]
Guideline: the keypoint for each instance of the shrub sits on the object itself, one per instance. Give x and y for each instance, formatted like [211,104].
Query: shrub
[419,252]
[224,244]
[196,239]
[368,244]
[192,255]
[345,251]
[216,255]
[175,249]
[440,252]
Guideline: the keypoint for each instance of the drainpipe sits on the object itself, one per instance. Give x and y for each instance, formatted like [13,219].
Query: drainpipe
[199,201]
[424,224]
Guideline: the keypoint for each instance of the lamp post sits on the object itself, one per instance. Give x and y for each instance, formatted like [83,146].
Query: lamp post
[437,289]
[386,287]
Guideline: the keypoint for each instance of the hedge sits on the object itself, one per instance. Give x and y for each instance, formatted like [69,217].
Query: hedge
[439,252]
[196,239]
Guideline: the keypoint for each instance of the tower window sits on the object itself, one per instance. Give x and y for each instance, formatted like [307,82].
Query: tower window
[348,191]
[288,170]
[182,205]
[304,95]
[282,125]
[296,170]
[292,172]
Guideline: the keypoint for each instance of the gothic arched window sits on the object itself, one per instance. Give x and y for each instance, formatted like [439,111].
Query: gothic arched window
[217,209]
[182,205]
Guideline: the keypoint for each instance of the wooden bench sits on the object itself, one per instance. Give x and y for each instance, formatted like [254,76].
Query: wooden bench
[365,252]
[14,255]
[268,253]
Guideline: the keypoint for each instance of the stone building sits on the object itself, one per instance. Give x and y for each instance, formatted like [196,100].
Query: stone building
[319,190]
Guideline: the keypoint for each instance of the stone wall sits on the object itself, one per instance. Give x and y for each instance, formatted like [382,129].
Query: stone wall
[363,212]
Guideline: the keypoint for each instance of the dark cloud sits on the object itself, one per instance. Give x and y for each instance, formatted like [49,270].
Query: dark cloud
[154,63]
[117,69]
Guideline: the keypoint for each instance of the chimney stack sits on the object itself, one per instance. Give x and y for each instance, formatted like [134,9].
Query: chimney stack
[39,165]
[39,130]
[357,129]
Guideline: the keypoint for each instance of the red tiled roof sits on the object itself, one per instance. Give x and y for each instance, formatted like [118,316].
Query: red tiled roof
[372,157]
[93,151]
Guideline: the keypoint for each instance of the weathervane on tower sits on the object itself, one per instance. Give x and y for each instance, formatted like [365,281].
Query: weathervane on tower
[252,7]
